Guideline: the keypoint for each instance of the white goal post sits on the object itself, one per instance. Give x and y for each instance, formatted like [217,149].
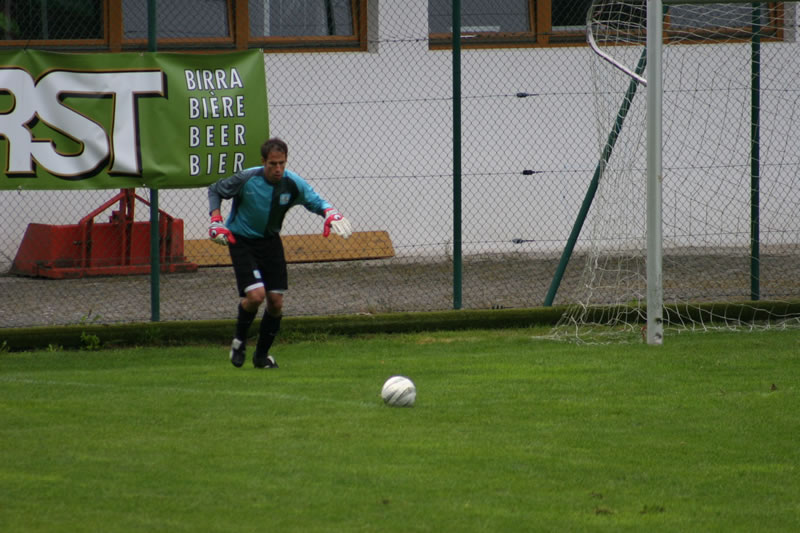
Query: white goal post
[655,287]
[616,29]
[653,44]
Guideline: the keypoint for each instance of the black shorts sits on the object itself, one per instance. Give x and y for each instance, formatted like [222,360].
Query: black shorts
[259,263]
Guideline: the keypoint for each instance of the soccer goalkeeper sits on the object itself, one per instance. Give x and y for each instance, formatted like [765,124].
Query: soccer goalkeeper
[261,198]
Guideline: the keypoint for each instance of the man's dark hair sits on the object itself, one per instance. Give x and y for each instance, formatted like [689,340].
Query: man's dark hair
[274,144]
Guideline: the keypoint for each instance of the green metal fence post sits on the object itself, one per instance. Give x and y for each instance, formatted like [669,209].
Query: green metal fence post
[155,249]
[755,153]
[457,259]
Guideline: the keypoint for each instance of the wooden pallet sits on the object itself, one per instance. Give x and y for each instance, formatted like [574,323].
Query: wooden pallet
[302,248]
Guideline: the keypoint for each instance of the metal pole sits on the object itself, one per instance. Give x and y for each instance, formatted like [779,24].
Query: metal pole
[45,18]
[330,17]
[655,294]
[755,154]
[457,259]
[155,248]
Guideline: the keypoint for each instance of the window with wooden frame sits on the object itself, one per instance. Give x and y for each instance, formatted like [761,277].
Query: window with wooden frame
[489,23]
[521,23]
[218,25]
[733,23]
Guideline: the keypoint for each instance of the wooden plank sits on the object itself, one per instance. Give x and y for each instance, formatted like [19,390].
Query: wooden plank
[302,248]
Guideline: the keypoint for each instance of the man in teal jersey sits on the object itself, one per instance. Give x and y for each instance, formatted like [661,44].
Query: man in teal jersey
[261,197]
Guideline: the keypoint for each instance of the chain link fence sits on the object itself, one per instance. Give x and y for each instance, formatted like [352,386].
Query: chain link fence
[372,131]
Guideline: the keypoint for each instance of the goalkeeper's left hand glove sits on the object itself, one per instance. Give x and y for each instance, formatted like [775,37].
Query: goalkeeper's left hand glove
[335,221]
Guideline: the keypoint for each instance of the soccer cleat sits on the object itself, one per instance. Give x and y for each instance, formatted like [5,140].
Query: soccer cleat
[264,362]
[237,352]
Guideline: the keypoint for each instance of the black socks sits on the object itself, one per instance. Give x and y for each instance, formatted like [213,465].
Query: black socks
[270,326]
[243,322]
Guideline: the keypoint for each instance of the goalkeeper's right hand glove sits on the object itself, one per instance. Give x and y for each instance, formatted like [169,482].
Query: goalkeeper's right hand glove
[219,233]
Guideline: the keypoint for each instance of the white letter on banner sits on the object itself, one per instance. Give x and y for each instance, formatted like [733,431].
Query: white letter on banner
[95,146]
[240,131]
[194,164]
[194,108]
[19,84]
[128,86]
[238,161]
[194,136]
[190,85]
[236,79]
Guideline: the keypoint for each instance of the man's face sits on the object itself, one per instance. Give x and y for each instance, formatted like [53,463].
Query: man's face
[274,165]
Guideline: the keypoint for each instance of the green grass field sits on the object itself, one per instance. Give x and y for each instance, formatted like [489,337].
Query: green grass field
[509,433]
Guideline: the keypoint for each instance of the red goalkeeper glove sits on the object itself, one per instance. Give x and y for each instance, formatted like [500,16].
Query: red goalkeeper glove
[219,233]
[335,221]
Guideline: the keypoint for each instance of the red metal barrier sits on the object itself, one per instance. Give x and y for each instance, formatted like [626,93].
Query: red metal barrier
[89,248]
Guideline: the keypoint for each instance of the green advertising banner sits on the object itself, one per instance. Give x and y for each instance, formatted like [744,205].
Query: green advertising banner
[113,121]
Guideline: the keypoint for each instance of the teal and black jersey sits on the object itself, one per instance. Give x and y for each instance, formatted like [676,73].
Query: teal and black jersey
[259,207]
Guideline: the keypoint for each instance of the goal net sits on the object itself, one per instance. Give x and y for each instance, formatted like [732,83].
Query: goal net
[730,160]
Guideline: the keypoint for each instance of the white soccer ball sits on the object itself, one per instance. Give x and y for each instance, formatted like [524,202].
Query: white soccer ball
[399,391]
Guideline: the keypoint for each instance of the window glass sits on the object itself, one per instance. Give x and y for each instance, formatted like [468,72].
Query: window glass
[506,16]
[47,20]
[287,18]
[711,16]
[186,19]
[569,15]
